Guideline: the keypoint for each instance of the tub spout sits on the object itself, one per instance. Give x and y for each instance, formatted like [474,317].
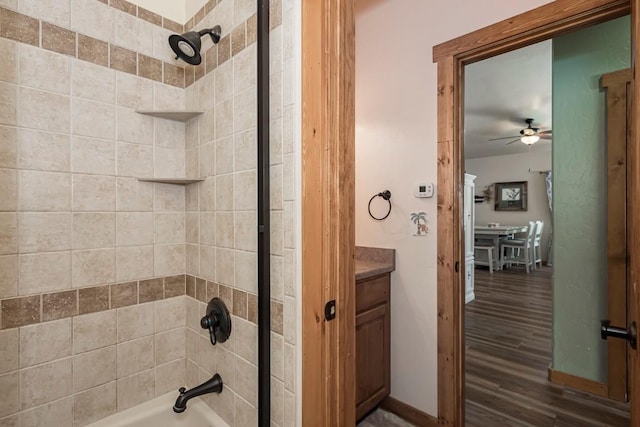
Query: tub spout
[214,385]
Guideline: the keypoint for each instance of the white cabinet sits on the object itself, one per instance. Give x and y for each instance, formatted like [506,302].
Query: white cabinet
[468,224]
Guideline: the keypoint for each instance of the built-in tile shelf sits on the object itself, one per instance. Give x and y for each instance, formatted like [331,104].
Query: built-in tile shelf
[177,115]
[176,181]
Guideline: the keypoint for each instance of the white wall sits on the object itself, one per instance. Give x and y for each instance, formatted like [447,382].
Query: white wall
[176,10]
[514,167]
[396,125]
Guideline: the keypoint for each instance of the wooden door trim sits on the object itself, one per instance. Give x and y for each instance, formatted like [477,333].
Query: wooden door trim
[328,205]
[558,17]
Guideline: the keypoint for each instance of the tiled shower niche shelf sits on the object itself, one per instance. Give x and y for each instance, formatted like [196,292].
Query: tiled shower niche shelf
[177,115]
[175,181]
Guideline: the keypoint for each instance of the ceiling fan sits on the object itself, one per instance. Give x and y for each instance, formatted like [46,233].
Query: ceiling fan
[528,135]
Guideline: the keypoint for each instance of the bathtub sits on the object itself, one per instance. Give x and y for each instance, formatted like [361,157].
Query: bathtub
[159,413]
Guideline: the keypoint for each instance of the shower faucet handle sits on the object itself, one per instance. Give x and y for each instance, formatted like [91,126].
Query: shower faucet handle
[217,320]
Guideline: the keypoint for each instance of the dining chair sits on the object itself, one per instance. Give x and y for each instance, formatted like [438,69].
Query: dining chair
[519,251]
[488,261]
[537,247]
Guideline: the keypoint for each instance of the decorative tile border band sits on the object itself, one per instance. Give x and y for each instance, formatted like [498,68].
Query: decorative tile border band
[27,310]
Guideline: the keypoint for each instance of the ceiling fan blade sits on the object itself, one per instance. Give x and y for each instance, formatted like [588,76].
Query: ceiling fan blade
[545,132]
[506,137]
[511,142]
[545,136]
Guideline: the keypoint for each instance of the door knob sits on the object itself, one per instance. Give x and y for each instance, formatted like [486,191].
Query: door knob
[606,331]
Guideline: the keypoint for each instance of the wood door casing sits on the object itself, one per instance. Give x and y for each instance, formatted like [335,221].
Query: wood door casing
[542,23]
[618,85]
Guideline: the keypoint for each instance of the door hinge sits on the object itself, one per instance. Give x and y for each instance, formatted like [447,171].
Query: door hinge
[330,310]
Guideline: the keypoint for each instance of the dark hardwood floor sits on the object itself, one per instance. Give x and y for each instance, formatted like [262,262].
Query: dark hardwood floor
[508,350]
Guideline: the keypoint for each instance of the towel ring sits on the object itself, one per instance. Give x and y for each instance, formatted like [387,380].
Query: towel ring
[386,195]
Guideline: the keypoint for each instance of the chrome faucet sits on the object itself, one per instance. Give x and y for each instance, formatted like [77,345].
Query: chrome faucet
[214,385]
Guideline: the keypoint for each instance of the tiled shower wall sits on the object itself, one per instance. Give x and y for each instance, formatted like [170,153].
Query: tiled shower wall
[93,224]
[88,253]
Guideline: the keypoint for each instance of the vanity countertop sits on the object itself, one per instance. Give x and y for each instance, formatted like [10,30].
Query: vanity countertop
[372,262]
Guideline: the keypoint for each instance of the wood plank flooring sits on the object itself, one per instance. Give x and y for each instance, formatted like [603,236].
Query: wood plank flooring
[508,350]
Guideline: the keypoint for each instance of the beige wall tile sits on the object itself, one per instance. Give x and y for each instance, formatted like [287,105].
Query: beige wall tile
[53,11]
[168,259]
[289,272]
[246,381]
[134,228]
[277,234]
[224,155]
[136,389]
[207,130]
[216,360]
[44,231]
[93,19]
[275,186]
[8,233]
[192,259]
[245,190]
[244,110]
[224,78]
[277,356]
[93,82]
[170,313]
[8,67]
[133,127]
[170,376]
[207,159]
[94,156]
[245,414]
[192,227]
[207,194]
[58,413]
[169,198]
[134,92]
[289,320]
[169,162]
[41,69]
[45,191]
[93,267]
[8,146]
[134,160]
[224,229]
[123,59]
[45,383]
[246,268]
[135,322]
[169,227]
[9,276]
[43,151]
[277,401]
[134,262]
[167,97]
[133,195]
[290,367]
[191,163]
[208,262]
[94,368]
[94,404]
[45,342]
[192,136]
[9,398]
[9,350]
[192,197]
[275,100]
[43,110]
[8,104]
[135,356]
[94,193]
[246,338]
[43,272]
[84,119]
[94,230]
[245,154]
[287,130]
[8,190]
[170,345]
[225,265]
[224,403]
[225,192]
[93,331]
[224,118]
[288,226]
[275,141]
[245,69]
[277,286]
[129,32]
[169,134]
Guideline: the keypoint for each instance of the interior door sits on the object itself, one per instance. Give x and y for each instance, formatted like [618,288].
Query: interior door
[633,181]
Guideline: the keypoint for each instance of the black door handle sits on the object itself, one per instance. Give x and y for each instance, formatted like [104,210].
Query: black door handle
[606,331]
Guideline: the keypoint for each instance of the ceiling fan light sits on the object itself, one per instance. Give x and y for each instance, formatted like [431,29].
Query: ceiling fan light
[530,139]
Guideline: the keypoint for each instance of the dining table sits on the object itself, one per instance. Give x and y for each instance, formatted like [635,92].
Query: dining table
[496,232]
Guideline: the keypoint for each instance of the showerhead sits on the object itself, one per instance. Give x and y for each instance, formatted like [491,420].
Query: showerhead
[187,46]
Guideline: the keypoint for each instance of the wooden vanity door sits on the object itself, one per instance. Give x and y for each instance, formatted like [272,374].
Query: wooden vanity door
[373,323]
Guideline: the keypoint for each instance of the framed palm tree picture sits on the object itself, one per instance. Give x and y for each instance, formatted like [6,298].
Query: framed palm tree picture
[511,196]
